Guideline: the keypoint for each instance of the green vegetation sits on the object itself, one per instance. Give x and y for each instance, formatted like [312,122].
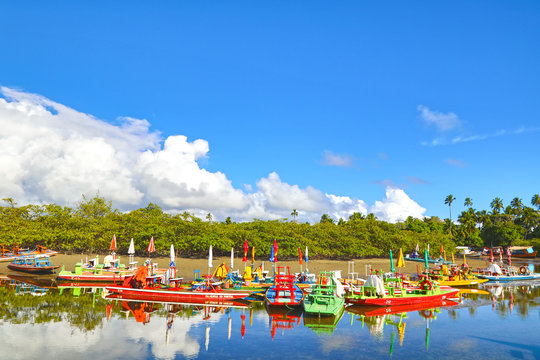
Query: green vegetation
[91,225]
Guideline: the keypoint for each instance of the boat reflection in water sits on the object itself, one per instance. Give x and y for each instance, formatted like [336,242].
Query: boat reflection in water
[323,325]
[375,318]
[283,318]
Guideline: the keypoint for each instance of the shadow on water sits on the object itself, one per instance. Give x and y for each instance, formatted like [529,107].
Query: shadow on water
[534,349]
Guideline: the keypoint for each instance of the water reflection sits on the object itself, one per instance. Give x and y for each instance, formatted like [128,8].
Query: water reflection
[69,320]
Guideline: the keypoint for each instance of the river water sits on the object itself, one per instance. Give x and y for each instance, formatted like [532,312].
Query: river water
[493,321]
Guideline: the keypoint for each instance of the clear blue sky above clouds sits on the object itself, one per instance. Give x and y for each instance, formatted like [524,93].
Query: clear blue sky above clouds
[345,97]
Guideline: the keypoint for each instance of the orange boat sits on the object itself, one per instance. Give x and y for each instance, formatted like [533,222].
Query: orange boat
[523,251]
[10,255]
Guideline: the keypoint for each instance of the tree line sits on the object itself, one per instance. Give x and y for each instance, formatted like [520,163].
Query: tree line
[91,224]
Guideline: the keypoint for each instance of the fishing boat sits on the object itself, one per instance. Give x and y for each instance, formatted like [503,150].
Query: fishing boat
[523,251]
[10,255]
[326,297]
[33,265]
[375,292]
[143,287]
[284,291]
[508,273]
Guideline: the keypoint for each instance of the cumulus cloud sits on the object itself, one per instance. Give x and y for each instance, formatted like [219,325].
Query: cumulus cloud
[397,206]
[443,121]
[52,153]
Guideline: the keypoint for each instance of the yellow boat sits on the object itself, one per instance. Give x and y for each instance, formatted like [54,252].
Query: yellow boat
[454,277]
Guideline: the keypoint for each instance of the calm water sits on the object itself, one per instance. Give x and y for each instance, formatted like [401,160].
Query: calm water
[501,321]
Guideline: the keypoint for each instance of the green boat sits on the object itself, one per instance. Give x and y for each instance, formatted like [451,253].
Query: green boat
[325,297]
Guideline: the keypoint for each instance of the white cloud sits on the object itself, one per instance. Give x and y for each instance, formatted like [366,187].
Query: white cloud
[397,206]
[52,153]
[444,122]
[339,160]
[455,162]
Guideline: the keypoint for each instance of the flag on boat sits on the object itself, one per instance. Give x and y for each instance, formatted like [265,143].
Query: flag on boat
[509,254]
[306,255]
[275,250]
[151,247]
[246,247]
[442,249]
[392,268]
[300,255]
[253,254]
[491,258]
[210,257]
[272,257]
[131,250]
[426,258]
[113,243]
[500,257]
[232,258]
[172,263]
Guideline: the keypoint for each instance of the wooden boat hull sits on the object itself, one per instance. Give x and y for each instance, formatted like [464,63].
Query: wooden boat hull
[180,295]
[401,300]
[221,303]
[33,269]
[332,308]
[525,255]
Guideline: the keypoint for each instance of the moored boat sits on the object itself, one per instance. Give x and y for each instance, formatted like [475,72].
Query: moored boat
[523,251]
[10,255]
[95,275]
[143,287]
[374,292]
[326,297]
[33,264]
[284,291]
[508,273]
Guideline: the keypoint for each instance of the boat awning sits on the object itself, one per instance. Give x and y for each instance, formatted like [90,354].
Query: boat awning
[514,248]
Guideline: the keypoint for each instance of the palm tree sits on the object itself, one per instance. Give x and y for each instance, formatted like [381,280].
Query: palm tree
[496,205]
[294,214]
[535,201]
[517,206]
[483,218]
[448,201]
[209,217]
[468,202]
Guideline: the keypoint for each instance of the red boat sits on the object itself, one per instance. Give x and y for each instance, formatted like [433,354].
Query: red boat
[143,287]
[398,309]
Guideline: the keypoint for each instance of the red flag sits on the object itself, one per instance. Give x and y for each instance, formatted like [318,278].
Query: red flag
[113,242]
[246,247]
[243,328]
[491,258]
[300,255]
[442,249]
[275,250]
[151,246]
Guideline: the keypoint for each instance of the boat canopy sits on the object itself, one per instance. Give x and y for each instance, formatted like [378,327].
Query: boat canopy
[376,282]
[494,269]
[516,248]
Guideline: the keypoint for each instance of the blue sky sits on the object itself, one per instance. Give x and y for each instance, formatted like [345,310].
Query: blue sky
[346,99]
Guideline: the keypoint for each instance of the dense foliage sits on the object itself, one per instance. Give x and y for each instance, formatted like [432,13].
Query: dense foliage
[91,225]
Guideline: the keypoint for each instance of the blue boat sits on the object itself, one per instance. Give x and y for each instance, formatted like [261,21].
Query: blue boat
[284,291]
[33,265]
[509,273]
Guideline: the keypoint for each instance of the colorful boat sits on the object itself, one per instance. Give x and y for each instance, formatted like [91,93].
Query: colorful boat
[143,287]
[95,275]
[398,309]
[454,276]
[284,291]
[509,273]
[430,260]
[523,251]
[375,292]
[323,325]
[326,297]
[33,264]
[10,255]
